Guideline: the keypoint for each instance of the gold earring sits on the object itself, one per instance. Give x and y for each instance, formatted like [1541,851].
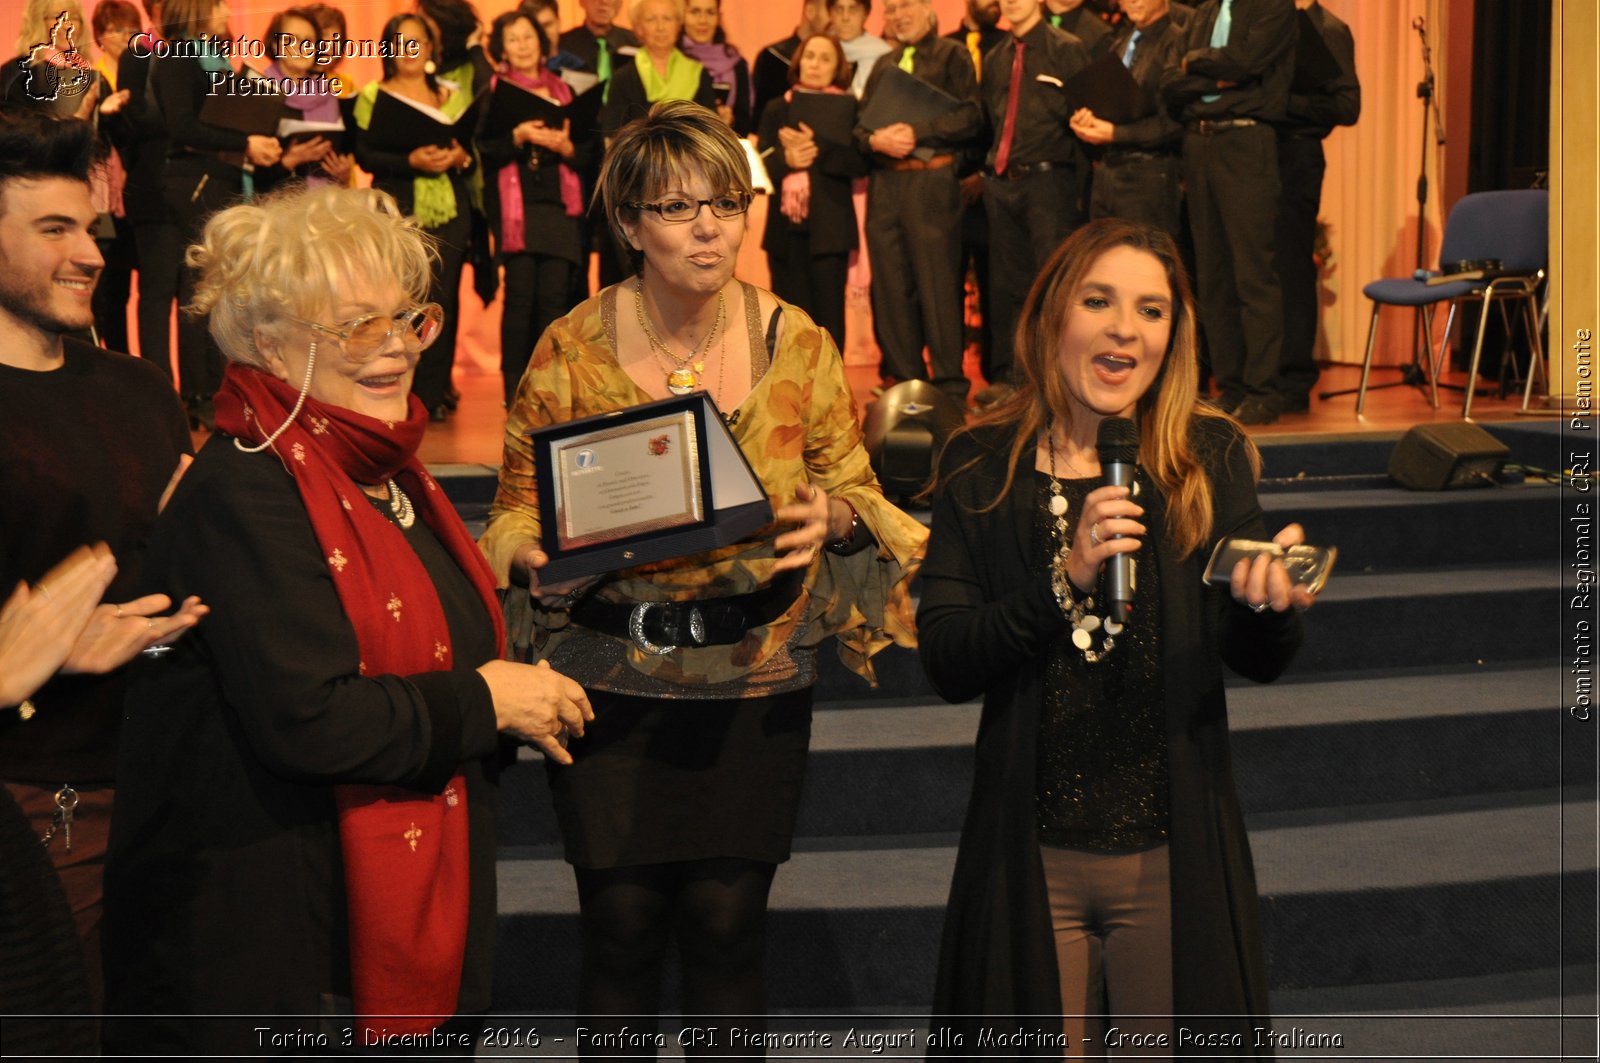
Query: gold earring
[430,67]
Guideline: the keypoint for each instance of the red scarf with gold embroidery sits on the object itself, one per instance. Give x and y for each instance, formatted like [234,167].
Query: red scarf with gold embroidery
[405,852]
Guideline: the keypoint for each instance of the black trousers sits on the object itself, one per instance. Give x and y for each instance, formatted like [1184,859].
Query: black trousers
[1232,179]
[1139,186]
[814,283]
[110,298]
[1029,216]
[433,370]
[160,250]
[1300,169]
[537,289]
[975,255]
[914,236]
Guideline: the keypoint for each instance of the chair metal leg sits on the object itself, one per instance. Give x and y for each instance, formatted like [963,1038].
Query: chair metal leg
[1536,354]
[1366,364]
[1477,356]
[1438,357]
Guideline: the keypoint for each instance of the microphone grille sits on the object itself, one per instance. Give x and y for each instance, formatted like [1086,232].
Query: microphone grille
[1117,440]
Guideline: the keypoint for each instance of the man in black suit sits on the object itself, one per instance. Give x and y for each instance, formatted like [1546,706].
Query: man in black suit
[1080,21]
[769,75]
[1315,107]
[1036,167]
[1229,86]
[1139,174]
[914,205]
[978,32]
[598,40]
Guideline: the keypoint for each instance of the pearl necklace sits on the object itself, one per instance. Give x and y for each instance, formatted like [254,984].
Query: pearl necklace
[683,376]
[1084,623]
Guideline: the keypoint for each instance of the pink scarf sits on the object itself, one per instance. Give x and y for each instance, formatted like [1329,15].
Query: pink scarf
[796,204]
[513,226]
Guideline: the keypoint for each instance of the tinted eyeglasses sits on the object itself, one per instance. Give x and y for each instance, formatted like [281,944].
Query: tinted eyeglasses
[679,209]
[364,337]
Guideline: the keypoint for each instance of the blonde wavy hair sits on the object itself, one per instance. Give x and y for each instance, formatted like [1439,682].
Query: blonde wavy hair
[1166,413]
[290,254]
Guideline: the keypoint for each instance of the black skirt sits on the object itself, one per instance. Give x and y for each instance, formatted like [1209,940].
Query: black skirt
[665,780]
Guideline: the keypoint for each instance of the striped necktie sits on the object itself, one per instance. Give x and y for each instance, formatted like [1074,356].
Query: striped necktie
[905,58]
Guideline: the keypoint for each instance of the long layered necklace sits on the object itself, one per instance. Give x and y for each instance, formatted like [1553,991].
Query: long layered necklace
[1085,625]
[683,374]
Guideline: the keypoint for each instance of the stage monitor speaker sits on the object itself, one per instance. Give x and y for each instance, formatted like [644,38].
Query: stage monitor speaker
[1441,457]
[905,430]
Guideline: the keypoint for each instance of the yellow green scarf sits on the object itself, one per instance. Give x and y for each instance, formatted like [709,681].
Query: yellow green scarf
[433,196]
[681,83]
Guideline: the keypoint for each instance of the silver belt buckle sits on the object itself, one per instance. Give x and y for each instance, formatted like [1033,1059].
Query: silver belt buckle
[697,628]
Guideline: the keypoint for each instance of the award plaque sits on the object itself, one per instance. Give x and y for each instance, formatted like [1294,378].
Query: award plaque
[644,484]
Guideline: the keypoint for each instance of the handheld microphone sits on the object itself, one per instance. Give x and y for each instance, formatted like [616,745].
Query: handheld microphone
[1118,445]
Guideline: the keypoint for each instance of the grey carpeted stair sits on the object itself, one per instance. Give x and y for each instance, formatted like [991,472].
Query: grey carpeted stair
[1422,869]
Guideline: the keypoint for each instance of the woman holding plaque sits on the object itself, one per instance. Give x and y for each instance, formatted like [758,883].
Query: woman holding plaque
[681,799]
[811,224]
[1103,872]
[427,180]
[534,196]
[318,130]
[659,70]
[305,814]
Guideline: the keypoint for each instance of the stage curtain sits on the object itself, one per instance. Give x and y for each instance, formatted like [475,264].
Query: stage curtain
[1369,198]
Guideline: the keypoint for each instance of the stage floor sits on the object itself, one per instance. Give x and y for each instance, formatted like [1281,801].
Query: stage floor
[474,434]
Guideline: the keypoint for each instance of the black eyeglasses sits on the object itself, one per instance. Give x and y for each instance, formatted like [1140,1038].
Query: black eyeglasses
[678,210]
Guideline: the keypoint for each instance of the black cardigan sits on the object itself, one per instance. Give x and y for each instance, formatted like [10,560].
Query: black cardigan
[985,618]
[832,217]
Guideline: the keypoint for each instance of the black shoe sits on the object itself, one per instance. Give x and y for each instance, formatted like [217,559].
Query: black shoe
[439,413]
[452,399]
[1294,403]
[1227,403]
[1256,411]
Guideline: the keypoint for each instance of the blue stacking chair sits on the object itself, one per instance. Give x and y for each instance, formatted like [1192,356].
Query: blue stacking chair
[1512,227]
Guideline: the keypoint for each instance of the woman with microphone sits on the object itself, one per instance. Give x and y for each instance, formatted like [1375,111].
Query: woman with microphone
[1103,873]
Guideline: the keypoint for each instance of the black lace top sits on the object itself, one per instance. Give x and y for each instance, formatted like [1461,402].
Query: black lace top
[1102,759]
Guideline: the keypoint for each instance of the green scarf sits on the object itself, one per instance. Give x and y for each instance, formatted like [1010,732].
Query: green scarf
[433,197]
[681,83]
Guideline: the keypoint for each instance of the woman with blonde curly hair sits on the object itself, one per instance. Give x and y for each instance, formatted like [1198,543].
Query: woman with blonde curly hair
[306,816]
[1103,873]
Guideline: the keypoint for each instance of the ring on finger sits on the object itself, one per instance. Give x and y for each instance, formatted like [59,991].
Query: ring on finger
[1094,534]
[1259,607]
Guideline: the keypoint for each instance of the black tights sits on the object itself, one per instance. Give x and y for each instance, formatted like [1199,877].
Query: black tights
[718,910]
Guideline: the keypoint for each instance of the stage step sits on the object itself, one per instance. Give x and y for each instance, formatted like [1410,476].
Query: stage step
[861,925]
[901,769]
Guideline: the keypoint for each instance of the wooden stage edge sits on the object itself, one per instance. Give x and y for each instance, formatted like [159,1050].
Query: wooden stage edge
[474,433]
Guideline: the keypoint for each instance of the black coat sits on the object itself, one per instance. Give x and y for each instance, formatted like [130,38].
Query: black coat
[986,618]
[224,890]
[627,100]
[831,222]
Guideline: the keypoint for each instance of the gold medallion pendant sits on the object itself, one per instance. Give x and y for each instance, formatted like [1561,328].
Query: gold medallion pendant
[682,380]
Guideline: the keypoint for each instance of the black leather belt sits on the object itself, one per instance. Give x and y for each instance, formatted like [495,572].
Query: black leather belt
[1026,169]
[1134,155]
[661,627]
[1206,126]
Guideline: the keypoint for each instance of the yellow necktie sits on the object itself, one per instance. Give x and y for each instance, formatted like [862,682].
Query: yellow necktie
[905,58]
[973,36]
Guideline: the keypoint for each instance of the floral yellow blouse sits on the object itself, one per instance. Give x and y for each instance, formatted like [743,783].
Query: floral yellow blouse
[798,425]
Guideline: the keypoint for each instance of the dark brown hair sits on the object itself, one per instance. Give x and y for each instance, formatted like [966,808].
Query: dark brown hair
[842,73]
